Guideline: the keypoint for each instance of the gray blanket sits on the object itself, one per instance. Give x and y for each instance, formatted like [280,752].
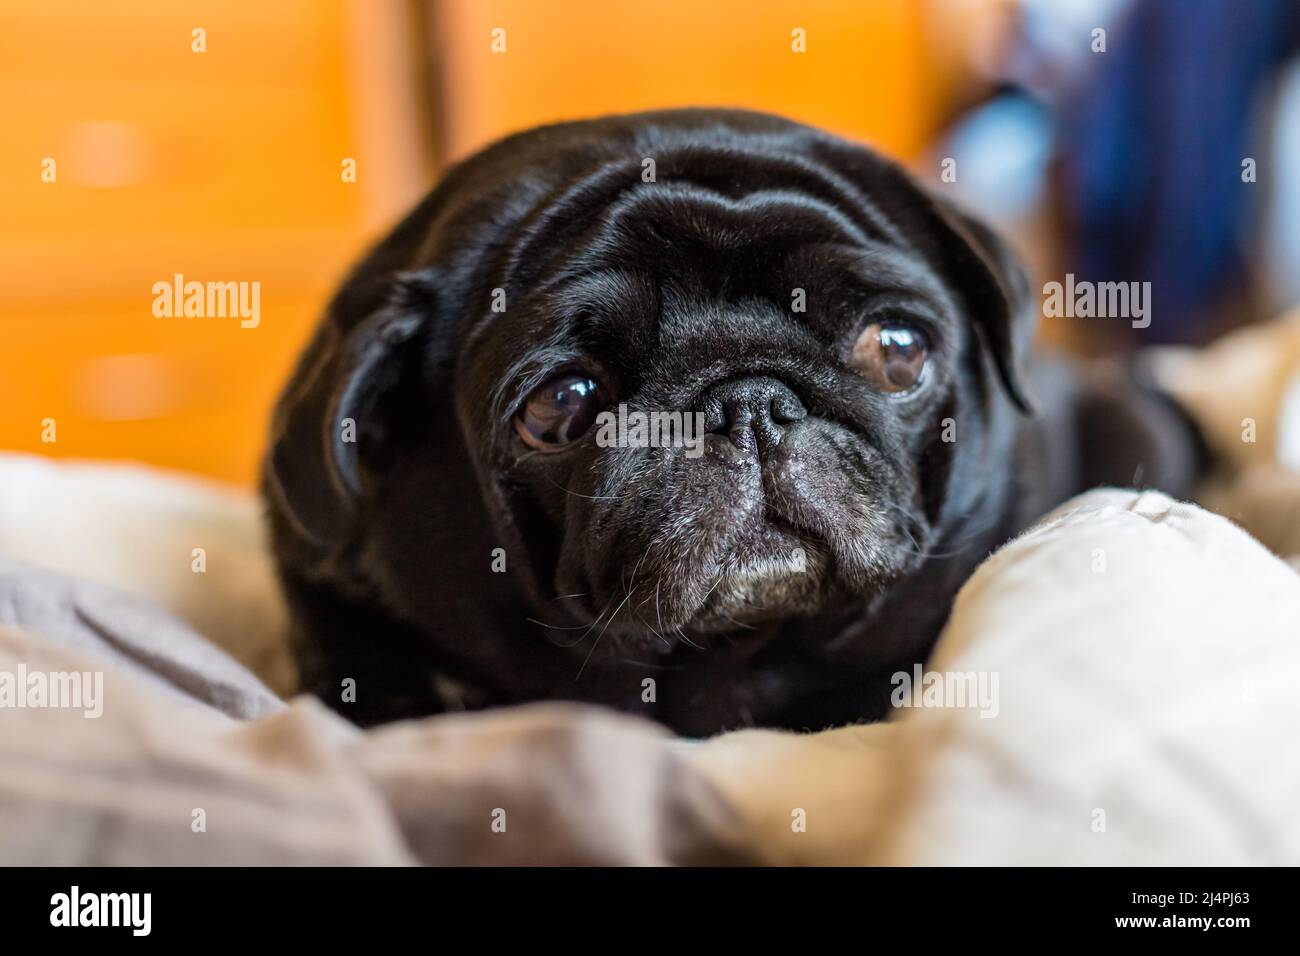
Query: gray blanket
[126,738]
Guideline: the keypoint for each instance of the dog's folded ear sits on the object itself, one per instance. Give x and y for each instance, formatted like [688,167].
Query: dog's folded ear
[997,292]
[333,408]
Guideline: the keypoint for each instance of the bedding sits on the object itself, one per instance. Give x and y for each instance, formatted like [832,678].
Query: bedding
[1128,669]
[182,756]
[1144,650]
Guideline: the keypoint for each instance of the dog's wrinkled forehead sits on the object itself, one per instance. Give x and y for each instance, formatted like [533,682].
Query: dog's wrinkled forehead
[764,244]
[694,206]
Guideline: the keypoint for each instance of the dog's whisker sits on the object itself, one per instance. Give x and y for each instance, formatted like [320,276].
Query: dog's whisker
[748,627]
[582,637]
[555,627]
[635,569]
[658,616]
[652,666]
[596,642]
[651,629]
[578,494]
[682,635]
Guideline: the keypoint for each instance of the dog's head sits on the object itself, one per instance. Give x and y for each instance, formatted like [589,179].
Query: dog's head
[691,372]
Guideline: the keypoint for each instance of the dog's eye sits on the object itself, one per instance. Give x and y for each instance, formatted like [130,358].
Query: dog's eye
[891,355]
[559,412]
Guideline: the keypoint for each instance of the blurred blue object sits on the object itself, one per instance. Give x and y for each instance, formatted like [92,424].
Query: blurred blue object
[1279,246]
[1004,148]
[1153,137]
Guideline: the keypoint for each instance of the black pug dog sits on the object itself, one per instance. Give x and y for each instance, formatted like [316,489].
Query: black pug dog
[452,531]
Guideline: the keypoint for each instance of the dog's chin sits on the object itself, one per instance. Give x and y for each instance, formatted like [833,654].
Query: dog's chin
[779,573]
[772,573]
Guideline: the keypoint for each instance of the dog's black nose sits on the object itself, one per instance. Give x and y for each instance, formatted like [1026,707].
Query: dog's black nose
[752,412]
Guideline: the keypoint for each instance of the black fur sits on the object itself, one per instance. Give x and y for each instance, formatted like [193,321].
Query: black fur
[626,564]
